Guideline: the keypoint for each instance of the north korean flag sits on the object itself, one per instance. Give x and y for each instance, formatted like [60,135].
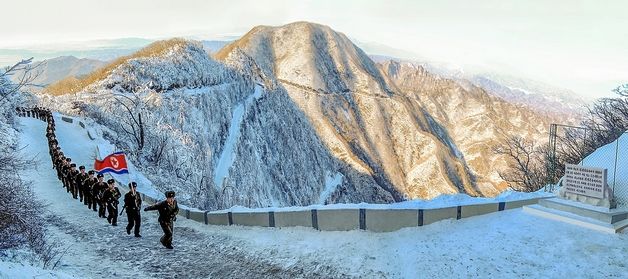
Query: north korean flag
[115,163]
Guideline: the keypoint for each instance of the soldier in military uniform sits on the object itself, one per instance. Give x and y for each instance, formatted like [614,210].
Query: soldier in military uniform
[88,189]
[111,196]
[65,171]
[97,193]
[71,179]
[132,204]
[79,181]
[52,146]
[58,162]
[168,210]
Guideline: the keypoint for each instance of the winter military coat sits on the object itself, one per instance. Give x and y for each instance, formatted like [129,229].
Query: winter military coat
[72,175]
[167,213]
[80,179]
[132,202]
[89,184]
[99,189]
[65,170]
[111,196]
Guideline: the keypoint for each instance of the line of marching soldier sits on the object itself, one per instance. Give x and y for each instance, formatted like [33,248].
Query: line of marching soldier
[98,195]
[87,187]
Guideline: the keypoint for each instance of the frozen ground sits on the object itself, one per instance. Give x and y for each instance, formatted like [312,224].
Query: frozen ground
[10,270]
[509,243]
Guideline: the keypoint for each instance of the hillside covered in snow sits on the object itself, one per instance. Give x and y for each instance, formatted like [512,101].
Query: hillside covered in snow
[292,116]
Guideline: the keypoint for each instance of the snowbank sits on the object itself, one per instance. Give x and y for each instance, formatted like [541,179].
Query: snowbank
[10,270]
[604,157]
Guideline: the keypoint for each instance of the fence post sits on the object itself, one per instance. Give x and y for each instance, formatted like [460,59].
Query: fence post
[615,171]
[552,167]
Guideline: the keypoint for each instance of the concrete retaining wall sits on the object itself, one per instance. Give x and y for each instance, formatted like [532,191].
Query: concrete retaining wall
[438,214]
[218,219]
[376,220]
[518,204]
[478,209]
[251,219]
[293,219]
[382,220]
[338,219]
[184,213]
[198,216]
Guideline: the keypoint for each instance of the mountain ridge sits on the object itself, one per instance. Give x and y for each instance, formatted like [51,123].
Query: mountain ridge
[366,132]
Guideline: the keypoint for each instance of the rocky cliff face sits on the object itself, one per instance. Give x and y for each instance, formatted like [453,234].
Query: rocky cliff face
[473,119]
[362,114]
[298,115]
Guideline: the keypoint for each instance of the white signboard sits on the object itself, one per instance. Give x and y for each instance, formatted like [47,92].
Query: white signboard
[585,181]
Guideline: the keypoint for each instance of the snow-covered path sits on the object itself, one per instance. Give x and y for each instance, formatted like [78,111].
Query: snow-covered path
[508,243]
[99,250]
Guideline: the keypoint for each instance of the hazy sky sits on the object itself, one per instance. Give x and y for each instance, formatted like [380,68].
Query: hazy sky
[580,45]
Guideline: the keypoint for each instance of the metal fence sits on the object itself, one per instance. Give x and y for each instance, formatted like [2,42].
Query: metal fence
[591,148]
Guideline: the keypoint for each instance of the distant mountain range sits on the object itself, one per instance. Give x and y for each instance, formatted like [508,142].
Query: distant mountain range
[534,94]
[55,69]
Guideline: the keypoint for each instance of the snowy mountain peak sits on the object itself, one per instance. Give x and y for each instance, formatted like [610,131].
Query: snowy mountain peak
[163,65]
[312,56]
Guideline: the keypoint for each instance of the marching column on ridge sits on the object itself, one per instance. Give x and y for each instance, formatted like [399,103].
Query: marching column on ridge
[90,189]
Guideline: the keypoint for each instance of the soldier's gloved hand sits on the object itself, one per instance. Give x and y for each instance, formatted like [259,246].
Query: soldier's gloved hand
[174,218]
[145,208]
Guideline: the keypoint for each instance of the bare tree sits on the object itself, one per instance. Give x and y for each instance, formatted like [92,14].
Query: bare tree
[527,170]
[28,74]
[622,90]
[133,124]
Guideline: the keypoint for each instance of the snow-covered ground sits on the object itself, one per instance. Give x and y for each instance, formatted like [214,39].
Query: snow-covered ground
[506,244]
[10,270]
[604,157]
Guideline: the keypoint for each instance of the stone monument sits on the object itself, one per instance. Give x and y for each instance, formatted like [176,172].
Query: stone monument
[587,185]
[585,199]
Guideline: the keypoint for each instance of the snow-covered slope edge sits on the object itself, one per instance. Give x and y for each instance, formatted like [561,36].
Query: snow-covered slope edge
[604,157]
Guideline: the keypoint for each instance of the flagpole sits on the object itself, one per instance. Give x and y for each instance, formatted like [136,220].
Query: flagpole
[97,153]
